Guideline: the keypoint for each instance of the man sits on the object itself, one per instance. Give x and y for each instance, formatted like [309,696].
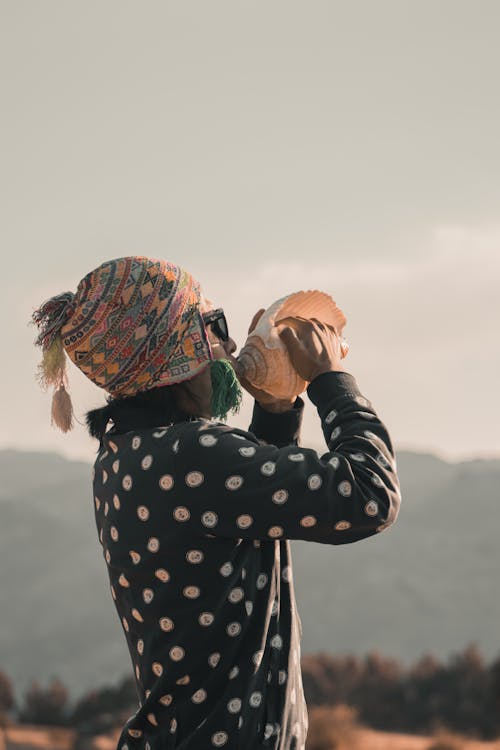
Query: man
[195,517]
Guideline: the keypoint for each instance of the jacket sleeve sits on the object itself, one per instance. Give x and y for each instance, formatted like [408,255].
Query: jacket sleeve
[279,429]
[230,485]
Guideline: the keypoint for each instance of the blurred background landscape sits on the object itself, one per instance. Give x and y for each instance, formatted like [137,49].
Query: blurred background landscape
[350,147]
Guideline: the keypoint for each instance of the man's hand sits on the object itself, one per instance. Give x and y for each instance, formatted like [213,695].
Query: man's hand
[313,347]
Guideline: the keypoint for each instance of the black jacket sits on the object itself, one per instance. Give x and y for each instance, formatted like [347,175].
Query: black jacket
[195,521]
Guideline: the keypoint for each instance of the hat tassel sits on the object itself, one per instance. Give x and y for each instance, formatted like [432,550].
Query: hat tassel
[62,409]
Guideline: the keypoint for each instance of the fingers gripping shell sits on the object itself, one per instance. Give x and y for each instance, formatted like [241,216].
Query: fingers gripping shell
[264,359]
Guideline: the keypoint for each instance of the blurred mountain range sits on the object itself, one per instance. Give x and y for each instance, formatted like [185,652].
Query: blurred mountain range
[430,583]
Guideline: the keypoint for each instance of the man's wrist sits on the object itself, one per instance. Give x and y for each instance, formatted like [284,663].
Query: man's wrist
[277,407]
[280,428]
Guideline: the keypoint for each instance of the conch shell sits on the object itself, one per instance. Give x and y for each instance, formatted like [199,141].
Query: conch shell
[264,360]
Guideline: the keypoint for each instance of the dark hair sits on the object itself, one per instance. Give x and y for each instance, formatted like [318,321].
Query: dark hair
[151,408]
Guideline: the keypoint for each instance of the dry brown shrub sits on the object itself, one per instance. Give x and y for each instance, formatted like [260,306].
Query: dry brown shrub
[446,740]
[333,728]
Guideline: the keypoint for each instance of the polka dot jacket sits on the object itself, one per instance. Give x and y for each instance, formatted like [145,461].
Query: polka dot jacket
[195,520]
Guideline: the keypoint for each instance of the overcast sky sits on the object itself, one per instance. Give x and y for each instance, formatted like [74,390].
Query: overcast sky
[267,147]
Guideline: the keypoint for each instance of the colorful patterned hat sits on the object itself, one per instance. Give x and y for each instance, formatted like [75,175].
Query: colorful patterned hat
[133,324]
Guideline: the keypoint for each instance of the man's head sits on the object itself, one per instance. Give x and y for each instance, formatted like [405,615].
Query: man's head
[134,324]
[216,390]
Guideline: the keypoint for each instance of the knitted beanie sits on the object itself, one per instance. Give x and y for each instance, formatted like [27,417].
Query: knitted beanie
[133,324]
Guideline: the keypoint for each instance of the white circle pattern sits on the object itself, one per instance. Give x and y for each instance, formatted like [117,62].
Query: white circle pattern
[233,629]
[268,468]
[280,496]
[342,525]
[214,659]
[308,521]
[153,544]
[143,512]
[194,479]
[219,739]
[200,694]
[191,592]
[206,618]
[226,569]
[255,699]
[261,580]
[162,574]
[166,482]
[127,482]
[314,482]
[207,441]
[244,521]
[275,531]
[371,508]
[209,519]
[236,595]
[234,705]
[159,433]
[234,482]
[345,488]
[194,556]
[247,451]
[181,513]
[176,653]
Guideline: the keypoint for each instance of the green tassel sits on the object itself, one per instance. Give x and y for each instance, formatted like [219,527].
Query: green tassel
[226,391]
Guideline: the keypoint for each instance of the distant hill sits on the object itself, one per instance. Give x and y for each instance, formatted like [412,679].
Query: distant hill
[430,583]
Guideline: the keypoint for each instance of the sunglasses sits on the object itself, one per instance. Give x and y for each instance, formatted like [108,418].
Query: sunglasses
[217,320]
